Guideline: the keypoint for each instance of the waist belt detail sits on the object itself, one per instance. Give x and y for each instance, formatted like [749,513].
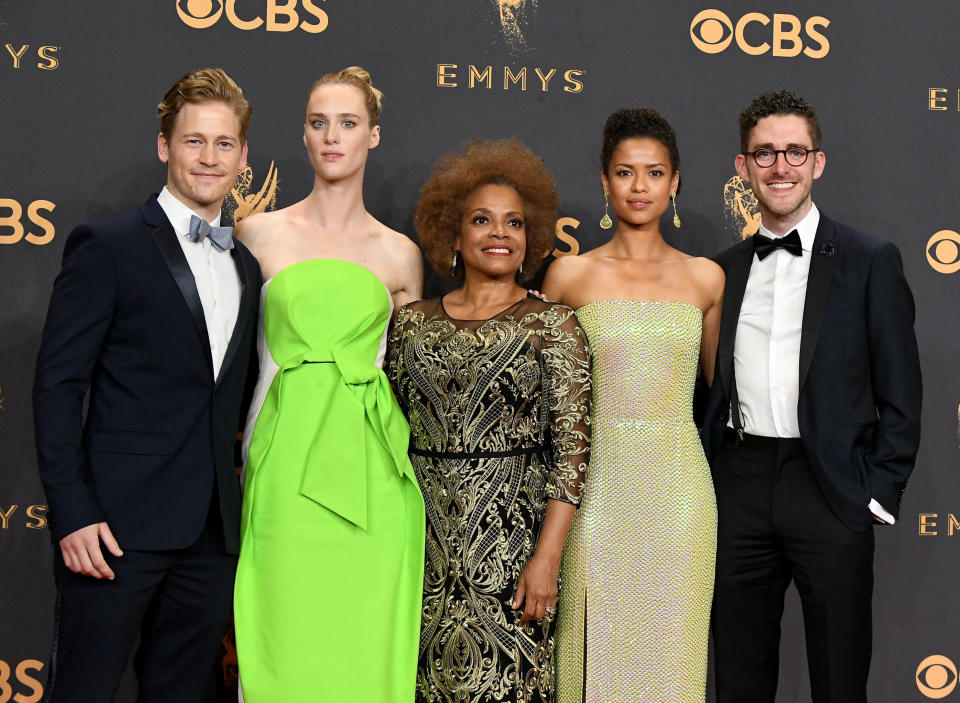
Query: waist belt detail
[519,451]
[752,440]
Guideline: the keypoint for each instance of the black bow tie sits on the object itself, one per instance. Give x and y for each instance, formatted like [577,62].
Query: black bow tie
[765,246]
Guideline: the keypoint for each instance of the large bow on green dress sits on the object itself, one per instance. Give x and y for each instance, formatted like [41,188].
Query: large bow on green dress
[330,400]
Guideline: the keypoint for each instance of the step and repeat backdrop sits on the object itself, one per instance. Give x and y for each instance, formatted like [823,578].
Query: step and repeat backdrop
[80,83]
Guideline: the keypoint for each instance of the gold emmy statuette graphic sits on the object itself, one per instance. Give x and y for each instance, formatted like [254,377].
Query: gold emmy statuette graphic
[240,202]
[513,13]
[936,676]
[740,208]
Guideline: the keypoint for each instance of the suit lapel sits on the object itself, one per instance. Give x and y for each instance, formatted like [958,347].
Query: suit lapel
[823,258]
[737,273]
[247,276]
[166,240]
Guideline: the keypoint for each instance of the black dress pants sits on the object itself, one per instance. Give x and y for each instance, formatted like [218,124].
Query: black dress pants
[774,527]
[178,600]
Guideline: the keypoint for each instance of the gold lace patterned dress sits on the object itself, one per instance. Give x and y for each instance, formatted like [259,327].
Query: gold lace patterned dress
[499,422]
[638,564]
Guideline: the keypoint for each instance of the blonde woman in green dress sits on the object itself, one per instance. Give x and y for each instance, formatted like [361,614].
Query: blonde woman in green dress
[638,563]
[329,579]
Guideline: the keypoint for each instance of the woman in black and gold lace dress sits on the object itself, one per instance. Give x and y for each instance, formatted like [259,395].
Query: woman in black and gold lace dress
[496,385]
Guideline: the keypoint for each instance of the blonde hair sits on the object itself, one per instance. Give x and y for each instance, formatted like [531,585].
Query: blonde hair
[359,78]
[199,86]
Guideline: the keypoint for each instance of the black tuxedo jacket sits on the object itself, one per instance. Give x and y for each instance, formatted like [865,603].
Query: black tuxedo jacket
[860,388]
[126,323]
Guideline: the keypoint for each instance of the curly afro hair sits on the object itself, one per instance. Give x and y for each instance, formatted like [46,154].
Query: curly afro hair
[479,163]
[784,102]
[639,122]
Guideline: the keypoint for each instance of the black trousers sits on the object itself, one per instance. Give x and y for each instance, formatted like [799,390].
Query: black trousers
[178,600]
[774,527]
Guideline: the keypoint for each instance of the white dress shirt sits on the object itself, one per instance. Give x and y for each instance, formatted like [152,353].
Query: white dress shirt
[766,353]
[218,282]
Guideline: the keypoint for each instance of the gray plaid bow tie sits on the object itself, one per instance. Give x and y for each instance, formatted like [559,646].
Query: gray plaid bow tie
[222,237]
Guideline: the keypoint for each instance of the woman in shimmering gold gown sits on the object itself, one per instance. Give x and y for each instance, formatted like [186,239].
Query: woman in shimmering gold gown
[638,564]
[496,385]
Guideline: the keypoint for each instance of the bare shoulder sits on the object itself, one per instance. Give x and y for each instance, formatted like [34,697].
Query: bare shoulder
[257,230]
[595,253]
[399,262]
[568,267]
[560,275]
[706,276]
[400,244]
[707,272]
[568,278]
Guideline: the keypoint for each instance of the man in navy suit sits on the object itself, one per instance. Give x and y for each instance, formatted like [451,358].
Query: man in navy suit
[153,315]
[813,420]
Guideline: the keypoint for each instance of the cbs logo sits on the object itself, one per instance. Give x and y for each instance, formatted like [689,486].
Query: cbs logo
[281,15]
[936,676]
[21,676]
[943,251]
[712,31]
[13,221]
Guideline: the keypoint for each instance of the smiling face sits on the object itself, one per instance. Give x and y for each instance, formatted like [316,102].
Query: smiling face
[338,133]
[203,154]
[782,190]
[640,180]
[493,236]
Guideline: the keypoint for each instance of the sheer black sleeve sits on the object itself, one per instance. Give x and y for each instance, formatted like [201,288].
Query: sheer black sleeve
[566,355]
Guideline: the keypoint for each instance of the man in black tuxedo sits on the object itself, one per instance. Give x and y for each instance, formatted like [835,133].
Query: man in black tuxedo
[813,420]
[154,314]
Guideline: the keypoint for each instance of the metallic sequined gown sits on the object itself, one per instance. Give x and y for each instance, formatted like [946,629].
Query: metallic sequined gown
[638,565]
[499,418]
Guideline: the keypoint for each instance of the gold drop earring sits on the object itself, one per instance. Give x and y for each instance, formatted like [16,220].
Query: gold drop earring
[605,221]
[676,217]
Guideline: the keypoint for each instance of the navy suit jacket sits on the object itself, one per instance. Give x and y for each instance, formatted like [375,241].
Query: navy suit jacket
[126,324]
[860,387]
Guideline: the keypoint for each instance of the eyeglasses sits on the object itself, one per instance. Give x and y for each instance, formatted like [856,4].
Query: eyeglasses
[795,156]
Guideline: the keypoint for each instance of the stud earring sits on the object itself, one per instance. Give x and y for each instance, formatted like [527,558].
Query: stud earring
[453,263]
[676,217]
[605,221]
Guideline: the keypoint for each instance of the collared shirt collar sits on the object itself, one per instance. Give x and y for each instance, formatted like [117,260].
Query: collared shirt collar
[806,228]
[178,213]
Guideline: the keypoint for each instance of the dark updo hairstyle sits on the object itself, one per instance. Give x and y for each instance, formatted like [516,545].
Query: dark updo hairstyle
[783,102]
[483,162]
[635,123]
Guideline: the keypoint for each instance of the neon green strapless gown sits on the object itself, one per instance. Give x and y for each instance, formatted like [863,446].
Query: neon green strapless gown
[330,576]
